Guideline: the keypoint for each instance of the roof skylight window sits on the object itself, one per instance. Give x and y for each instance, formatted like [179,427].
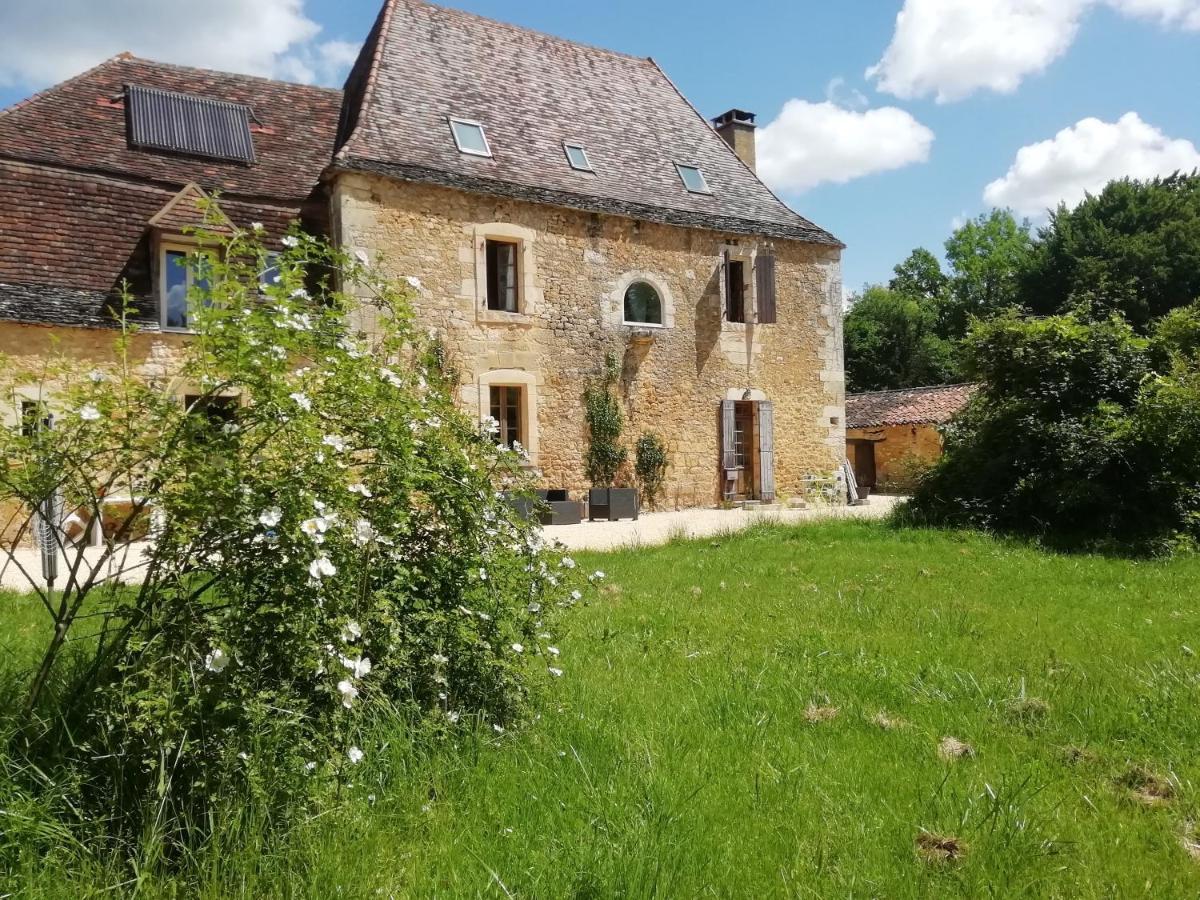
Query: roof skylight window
[470,137]
[578,158]
[693,179]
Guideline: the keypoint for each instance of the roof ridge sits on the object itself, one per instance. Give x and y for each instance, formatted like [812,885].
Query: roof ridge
[49,89]
[384,21]
[467,14]
[929,387]
[130,57]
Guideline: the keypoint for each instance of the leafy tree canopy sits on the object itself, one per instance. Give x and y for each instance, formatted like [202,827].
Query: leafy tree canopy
[1134,248]
[891,342]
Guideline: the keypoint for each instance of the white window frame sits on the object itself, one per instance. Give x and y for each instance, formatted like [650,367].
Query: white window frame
[174,246]
[679,168]
[587,160]
[473,124]
[662,305]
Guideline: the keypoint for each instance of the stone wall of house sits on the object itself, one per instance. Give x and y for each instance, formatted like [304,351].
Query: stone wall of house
[575,268]
[26,346]
[901,452]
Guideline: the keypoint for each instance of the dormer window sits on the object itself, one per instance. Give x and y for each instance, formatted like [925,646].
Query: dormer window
[693,179]
[178,280]
[578,158]
[470,137]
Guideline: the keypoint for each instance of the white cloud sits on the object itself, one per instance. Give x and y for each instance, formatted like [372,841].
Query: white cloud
[1083,159]
[950,48]
[45,41]
[817,143]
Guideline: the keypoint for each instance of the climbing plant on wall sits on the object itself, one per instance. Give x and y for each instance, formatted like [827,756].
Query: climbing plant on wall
[605,420]
[650,464]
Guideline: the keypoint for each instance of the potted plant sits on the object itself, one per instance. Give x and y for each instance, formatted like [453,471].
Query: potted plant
[605,455]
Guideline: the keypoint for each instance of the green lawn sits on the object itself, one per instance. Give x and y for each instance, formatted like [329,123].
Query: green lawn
[691,749]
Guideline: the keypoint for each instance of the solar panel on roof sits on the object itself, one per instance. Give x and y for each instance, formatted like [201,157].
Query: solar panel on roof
[185,123]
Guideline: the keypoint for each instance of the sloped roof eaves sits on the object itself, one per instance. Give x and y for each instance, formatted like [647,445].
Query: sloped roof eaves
[587,203]
[912,406]
[40,304]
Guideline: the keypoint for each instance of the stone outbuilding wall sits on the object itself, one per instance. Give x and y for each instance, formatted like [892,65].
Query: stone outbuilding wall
[901,452]
[574,270]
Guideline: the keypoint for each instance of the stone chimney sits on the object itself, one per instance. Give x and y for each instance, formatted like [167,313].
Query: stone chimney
[737,127]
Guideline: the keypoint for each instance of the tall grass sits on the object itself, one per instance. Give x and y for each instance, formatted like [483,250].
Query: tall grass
[693,749]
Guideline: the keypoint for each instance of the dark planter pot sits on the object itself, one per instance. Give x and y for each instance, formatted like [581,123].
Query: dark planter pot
[613,504]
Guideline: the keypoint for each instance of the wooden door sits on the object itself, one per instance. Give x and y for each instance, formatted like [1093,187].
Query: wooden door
[864,463]
[744,452]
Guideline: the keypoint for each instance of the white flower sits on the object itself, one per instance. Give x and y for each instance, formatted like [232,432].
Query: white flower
[302,401]
[439,660]
[391,377]
[244,756]
[349,693]
[360,489]
[483,574]
[453,717]
[300,294]
[557,673]
[413,282]
[321,567]
[567,563]
[491,426]
[217,661]
[96,376]
[310,767]
[352,632]
[314,528]
[364,532]
[335,441]
[534,608]
[499,729]
[269,518]
[518,648]
[361,667]
[576,596]
[553,651]
[256,226]
[290,242]
[598,576]
[89,413]
[355,755]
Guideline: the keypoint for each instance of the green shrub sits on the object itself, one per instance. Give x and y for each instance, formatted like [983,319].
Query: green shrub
[650,464]
[1083,433]
[331,553]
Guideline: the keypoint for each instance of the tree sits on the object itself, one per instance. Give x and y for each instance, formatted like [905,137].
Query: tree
[920,276]
[987,256]
[1134,248]
[891,341]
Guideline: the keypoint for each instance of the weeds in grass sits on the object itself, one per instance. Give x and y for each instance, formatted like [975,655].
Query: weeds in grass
[937,848]
[951,748]
[1146,787]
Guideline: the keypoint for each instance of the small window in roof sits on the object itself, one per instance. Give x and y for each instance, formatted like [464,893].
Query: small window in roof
[578,158]
[470,137]
[693,179]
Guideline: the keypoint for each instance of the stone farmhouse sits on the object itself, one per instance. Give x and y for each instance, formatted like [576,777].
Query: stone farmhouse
[558,202]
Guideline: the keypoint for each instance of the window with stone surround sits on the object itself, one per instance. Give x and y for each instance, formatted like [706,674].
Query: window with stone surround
[507,402]
[503,285]
[643,305]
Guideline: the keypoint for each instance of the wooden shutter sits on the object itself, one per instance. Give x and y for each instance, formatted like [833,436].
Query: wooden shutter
[764,270]
[728,454]
[766,450]
[725,288]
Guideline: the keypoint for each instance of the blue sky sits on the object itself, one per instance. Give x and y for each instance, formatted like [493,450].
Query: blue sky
[1009,78]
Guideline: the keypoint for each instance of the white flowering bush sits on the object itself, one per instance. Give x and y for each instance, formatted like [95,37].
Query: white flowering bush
[329,546]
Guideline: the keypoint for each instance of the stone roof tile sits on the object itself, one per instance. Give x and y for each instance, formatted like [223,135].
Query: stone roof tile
[424,64]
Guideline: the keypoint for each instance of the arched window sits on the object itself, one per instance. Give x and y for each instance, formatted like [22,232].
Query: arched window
[643,306]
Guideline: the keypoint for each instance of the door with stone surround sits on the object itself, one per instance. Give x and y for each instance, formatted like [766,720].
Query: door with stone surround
[747,450]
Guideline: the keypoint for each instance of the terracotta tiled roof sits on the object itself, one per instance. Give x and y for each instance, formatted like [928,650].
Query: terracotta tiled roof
[80,124]
[76,203]
[912,406]
[424,63]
